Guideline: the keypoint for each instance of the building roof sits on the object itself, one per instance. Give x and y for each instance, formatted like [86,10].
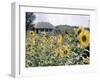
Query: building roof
[44,25]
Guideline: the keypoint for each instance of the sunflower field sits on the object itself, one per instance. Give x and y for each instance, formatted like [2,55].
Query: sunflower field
[58,48]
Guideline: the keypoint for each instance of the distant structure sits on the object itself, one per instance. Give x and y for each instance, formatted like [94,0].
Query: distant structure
[43,27]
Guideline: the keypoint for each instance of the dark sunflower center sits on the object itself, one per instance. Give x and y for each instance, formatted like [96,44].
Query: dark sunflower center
[79,31]
[31,33]
[29,45]
[83,38]
[65,52]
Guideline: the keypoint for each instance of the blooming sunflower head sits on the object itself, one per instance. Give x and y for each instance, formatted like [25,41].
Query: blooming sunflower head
[84,38]
[66,36]
[30,48]
[63,52]
[79,30]
[30,33]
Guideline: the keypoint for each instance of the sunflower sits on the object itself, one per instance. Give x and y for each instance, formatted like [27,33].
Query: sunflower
[59,39]
[62,51]
[30,48]
[66,36]
[30,33]
[79,30]
[84,38]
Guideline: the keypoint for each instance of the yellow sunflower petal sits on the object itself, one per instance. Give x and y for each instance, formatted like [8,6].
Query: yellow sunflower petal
[64,51]
[84,39]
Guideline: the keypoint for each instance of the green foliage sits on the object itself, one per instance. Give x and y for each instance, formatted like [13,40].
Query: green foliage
[45,50]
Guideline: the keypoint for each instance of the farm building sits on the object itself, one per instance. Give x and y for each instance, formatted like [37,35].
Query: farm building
[43,27]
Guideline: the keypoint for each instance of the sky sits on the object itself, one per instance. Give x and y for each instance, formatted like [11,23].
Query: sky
[60,19]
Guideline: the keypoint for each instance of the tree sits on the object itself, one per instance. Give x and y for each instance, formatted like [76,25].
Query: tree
[30,17]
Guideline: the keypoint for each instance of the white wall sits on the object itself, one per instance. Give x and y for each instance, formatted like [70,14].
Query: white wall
[5,35]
